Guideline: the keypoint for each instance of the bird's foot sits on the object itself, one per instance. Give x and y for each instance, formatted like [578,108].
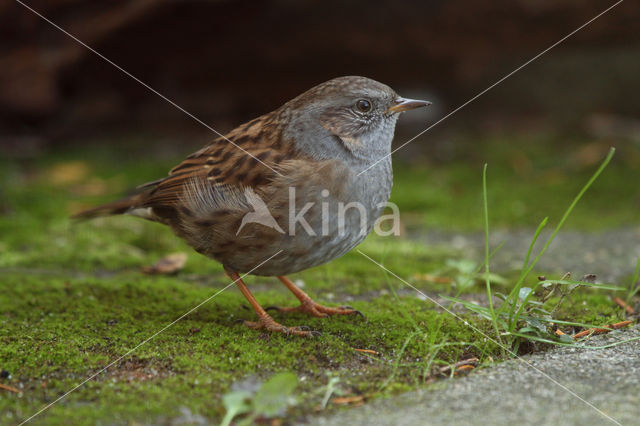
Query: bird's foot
[317,310]
[267,323]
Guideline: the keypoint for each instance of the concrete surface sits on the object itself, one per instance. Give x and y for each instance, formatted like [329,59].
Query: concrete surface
[515,393]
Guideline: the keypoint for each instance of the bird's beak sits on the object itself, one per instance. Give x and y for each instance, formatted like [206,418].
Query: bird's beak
[403,104]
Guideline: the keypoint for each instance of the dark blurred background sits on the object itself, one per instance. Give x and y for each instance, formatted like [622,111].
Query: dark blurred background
[229,61]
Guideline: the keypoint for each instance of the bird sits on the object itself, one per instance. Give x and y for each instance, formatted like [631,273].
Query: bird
[261,213]
[292,189]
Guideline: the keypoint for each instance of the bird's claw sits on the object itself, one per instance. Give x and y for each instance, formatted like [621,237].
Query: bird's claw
[357,312]
[268,323]
[317,310]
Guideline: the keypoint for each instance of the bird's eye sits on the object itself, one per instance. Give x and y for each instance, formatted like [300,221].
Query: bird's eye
[363,105]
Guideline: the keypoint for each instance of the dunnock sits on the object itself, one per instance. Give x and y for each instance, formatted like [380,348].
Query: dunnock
[283,187]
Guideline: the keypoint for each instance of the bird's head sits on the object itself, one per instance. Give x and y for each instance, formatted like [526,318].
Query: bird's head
[347,116]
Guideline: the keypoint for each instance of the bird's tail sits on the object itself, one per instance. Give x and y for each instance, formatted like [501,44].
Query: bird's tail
[122,206]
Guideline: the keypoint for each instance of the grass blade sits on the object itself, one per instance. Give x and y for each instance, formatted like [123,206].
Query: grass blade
[494,319]
[633,287]
[584,189]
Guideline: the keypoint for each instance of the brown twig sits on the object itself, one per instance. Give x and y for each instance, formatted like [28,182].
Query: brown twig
[460,366]
[624,305]
[349,400]
[601,330]
[463,369]
[10,388]
[367,351]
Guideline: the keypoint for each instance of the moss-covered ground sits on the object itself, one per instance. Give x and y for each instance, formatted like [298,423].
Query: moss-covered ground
[73,298]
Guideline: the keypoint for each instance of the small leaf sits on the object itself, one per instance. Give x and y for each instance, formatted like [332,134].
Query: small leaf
[235,403]
[542,311]
[170,264]
[275,395]
[465,266]
[527,330]
[524,292]
[500,296]
[565,338]
[535,322]
[493,278]
[331,389]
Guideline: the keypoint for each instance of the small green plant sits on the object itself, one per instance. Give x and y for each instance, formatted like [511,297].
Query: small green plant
[466,272]
[270,400]
[432,337]
[634,286]
[331,388]
[524,314]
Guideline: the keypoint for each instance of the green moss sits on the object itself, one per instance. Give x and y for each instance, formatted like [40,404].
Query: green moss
[591,307]
[57,331]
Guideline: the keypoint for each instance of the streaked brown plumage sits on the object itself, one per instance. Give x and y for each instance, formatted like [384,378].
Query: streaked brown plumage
[307,152]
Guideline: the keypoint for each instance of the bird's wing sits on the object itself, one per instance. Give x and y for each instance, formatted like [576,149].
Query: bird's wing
[252,160]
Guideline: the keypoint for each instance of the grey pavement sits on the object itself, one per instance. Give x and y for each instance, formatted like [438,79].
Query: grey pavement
[515,393]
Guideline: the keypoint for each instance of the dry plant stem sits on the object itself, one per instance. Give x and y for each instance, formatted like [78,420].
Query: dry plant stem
[547,296]
[564,294]
[601,330]
[628,309]
[463,369]
[349,400]
[367,351]
[460,365]
[10,388]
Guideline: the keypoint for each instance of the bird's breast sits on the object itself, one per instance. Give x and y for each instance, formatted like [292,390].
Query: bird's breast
[308,215]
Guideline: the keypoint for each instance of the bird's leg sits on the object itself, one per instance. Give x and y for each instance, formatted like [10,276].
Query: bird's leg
[309,306]
[264,319]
